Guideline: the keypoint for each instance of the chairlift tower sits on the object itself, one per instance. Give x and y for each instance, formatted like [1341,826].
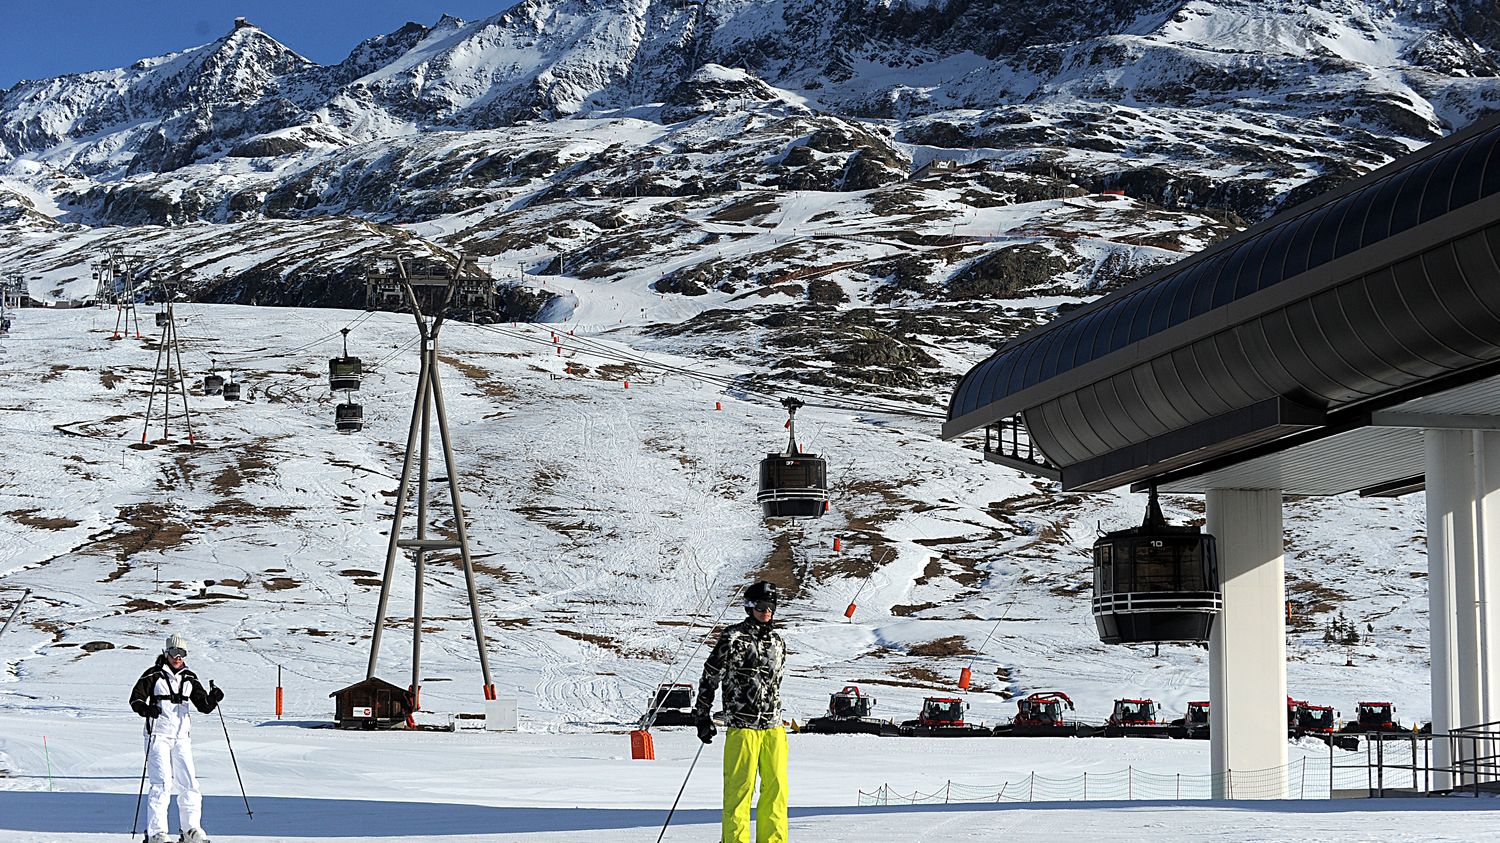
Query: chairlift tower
[424,284]
[165,374]
[116,277]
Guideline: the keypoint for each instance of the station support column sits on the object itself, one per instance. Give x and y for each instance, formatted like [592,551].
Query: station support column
[1463,564]
[1247,650]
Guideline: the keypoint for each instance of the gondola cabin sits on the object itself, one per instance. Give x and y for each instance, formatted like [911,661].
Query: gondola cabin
[793,484]
[344,374]
[372,704]
[349,417]
[231,390]
[162,319]
[1155,583]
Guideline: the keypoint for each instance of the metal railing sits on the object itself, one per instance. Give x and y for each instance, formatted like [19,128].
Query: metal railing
[1465,759]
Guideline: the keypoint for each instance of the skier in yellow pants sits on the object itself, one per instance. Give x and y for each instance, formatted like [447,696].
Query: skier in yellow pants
[747,752]
[748,661]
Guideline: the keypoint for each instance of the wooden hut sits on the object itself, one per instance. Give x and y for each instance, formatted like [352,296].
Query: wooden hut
[372,704]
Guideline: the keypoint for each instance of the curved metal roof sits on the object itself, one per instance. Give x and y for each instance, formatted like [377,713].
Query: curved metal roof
[1387,282]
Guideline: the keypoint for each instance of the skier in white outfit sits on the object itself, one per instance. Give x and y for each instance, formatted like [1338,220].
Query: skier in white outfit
[162,696]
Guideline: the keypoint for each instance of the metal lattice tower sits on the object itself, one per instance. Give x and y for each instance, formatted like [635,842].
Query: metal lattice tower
[116,278]
[425,285]
[166,375]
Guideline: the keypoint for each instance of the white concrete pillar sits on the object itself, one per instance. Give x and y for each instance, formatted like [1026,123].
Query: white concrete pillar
[1450,536]
[1487,528]
[1247,651]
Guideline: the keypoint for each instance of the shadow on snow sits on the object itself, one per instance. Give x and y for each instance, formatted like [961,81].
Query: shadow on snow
[103,813]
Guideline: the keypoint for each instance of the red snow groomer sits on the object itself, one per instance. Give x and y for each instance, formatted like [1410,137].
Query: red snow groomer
[942,717]
[1041,715]
[1320,721]
[1135,719]
[1374,718]
[850,713]
[1293,711]
[1194,723]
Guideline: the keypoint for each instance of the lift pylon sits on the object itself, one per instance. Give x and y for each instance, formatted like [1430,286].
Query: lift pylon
[115,276]
[168,376]
[427,405]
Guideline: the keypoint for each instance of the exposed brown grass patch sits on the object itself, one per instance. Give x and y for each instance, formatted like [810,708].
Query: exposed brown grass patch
[491,386]
[602,641]
[229,510]
[906,610]
[953,645]
[933,570]
[745,210]
[279,584]
[617,372]
[920,677]
[1310,598]
[29,518]
[149,529]
[250,464]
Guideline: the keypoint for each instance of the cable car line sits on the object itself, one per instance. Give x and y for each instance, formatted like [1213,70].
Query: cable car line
[821,401]
[733,382]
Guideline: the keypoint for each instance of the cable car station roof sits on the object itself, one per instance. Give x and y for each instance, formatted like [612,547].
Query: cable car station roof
[1307,353]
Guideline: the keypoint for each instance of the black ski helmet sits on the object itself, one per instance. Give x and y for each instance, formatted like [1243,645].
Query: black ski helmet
[761,593]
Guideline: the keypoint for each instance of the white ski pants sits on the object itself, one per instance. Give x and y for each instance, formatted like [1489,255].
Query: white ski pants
[169,765]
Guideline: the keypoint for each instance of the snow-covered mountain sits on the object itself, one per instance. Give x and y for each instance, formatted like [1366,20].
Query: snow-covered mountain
[842,197]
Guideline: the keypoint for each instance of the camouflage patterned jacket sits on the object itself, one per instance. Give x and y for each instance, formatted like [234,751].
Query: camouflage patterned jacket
[748,661]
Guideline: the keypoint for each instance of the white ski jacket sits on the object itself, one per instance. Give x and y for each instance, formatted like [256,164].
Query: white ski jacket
[173,691]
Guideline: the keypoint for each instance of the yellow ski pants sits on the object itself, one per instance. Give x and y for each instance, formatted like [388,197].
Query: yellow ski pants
[746,753]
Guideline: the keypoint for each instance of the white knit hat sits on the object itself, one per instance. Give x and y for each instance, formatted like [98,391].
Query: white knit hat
[176,641]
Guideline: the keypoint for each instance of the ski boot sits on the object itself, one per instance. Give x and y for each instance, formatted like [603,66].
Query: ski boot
[193,835]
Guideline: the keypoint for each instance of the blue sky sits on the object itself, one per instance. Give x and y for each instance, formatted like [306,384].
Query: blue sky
[43,38]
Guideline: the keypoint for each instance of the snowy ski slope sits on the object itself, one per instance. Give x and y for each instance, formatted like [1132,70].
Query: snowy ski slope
[604,519]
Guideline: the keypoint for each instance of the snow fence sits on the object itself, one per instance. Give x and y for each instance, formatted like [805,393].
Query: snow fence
[1305,778]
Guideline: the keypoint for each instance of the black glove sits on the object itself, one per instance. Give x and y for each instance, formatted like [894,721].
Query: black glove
[706,729]
[148,710]
[215,694]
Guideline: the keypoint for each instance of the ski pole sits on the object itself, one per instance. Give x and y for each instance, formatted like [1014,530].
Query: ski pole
[150,736]
[679,792]
[232,760]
